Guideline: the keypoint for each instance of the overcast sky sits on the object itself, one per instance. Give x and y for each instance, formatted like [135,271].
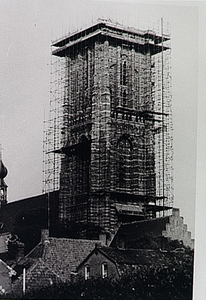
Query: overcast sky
[27,29]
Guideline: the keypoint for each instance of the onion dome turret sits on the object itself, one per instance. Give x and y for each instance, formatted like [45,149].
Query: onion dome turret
[3,185]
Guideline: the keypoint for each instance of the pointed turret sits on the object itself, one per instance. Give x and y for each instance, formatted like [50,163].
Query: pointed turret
[3,185]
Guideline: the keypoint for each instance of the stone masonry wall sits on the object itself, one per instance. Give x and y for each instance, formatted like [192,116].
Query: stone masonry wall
[109,89]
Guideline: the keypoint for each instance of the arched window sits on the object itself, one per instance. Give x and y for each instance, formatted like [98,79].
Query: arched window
[104,270]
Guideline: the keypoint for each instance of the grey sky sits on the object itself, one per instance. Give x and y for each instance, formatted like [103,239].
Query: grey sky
[26,30]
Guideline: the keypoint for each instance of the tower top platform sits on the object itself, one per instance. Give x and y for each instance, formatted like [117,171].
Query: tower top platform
[144,40]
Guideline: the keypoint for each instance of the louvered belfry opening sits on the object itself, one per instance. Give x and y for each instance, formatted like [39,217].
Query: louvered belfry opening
[108,145]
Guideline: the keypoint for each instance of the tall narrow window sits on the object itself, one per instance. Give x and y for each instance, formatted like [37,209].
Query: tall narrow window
[104,270]
[87,272]
[124,149]
[83,152]
[124,99]
[75,90]
[123,73]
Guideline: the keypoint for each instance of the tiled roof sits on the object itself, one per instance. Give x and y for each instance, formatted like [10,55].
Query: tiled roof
[31,258]
[37,276]
[10,270]
[135,256]
[61,255]
[139,229]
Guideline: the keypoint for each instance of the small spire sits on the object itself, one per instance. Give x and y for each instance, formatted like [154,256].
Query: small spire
[3,185]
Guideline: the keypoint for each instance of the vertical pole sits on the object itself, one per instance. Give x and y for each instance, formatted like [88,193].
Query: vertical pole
[163,150]
[24,281]
[44,155]
[48,211]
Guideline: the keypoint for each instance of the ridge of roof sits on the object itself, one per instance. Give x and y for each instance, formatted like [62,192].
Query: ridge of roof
[51,238]
[133,256]
[146,221]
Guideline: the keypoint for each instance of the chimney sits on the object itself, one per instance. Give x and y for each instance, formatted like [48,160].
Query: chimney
[44,235]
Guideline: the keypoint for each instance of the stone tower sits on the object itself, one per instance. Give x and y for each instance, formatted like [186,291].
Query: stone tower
[107,166]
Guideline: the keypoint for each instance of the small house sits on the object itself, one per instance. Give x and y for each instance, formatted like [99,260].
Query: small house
[115,263]
[53,260]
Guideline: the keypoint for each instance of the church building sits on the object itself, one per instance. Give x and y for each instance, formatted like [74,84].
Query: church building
[114,127]
[108,184]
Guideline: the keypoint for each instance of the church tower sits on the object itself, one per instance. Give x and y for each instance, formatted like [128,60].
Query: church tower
[3,186]
[108,173]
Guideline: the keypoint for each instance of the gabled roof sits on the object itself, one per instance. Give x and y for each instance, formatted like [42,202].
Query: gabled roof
[10,270]
[135,230]
[134,256]
[31,257]
[61,255]
[125,257]
[37,276]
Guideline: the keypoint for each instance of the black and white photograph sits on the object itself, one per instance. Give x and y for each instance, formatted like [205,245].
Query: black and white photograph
[102,168]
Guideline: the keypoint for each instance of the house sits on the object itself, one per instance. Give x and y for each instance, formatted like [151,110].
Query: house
[6,274]
[53,260]
[115,263]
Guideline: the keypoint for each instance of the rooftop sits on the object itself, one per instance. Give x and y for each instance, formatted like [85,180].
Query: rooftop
[135,256]
[61,255]
[145,40]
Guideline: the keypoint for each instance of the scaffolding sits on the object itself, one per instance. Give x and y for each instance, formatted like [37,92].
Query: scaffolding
[161,94]
[53,127]
[159,74]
